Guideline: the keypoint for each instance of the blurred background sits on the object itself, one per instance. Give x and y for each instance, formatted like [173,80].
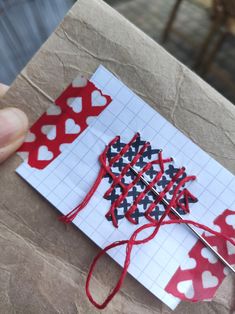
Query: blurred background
[200,33]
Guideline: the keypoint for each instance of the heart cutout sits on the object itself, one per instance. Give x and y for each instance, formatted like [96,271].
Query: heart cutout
[71,127]
[79,81]
[230,248]
[186,287]
[209,255]
[208,280]
[190,263]
[230,220]
[44,153]
[75,103]
[30,137]
[97,99]
[49,131]
[53,110]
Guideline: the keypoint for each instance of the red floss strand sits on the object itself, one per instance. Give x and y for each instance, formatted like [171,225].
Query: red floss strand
[129,245]
[132,209]
[121,197]
[175,200]
[73,213]
[118,179]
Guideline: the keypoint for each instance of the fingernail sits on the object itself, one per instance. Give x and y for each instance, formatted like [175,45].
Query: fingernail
[13,125]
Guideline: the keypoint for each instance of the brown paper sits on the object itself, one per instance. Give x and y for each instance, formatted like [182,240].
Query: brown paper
[43,263]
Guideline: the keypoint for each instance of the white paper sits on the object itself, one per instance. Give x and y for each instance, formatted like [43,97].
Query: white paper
[68,178]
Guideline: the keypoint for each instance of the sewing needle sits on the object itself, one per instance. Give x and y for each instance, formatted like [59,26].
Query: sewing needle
[174,211]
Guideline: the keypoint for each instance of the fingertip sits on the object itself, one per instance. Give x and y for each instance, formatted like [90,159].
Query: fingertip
[13,129]
[13,125]
[22,119]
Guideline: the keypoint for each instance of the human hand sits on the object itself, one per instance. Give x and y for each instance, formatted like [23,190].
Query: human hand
[13,128]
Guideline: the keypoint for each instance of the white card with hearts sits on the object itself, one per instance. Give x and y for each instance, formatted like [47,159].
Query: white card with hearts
[173,265]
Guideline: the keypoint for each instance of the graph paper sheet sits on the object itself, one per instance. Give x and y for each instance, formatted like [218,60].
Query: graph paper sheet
[67,179]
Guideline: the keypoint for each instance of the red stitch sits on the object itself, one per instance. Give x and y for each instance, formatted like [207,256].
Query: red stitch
[132,209]
[162,194]
[124,194]
[124,149]
[104,169]
[187,195]
[118,179]
[161,161]
[71,215]
[129,245]
[217,268]
[148,188]
[175,200]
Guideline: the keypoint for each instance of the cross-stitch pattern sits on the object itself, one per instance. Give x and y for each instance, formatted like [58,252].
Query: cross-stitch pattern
[117,162]
[133,196]
[65,181]
[127,192]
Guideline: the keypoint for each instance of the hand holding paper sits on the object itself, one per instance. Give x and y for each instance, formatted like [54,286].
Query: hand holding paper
[13,128]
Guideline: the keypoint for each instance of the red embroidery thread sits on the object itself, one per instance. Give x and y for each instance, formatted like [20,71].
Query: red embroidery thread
[180,178]
[215,269]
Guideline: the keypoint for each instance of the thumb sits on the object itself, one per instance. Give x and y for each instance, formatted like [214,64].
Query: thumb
[13,128]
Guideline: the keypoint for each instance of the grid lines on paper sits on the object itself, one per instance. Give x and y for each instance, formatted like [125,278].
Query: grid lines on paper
[67,179]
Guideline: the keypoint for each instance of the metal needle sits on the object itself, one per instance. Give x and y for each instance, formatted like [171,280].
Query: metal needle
[190,227]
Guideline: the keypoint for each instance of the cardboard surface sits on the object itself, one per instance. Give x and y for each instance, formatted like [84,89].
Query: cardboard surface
[43,263]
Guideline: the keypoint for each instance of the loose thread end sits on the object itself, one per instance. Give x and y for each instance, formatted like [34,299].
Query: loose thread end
[65,219]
